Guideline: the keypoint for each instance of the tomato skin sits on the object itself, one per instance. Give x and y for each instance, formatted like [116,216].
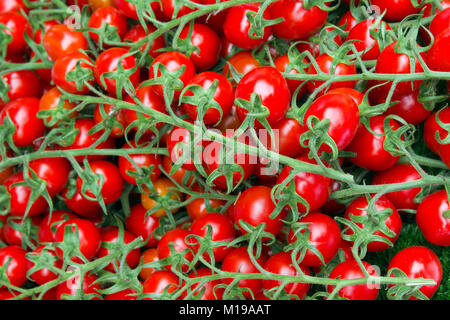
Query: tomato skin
[17,269]
[254,206]
[347,21]
[363,40]
[143,227]
[431,127]
[176,236]
[82,206]
[173,61]
[108,61]
[50,101]
[419,262]
[299,23]
[58,217]
[148,256]
[55,171]
[109,110]
[207,43]
[126,294]
[238,260]
[358,207]
[138,32]
[343,114]
[351,270]
[282,63]
[178,136]
[23,114]
[281,263]
[236,26]
[210,292]
[409,108]
[369,147]
[325,63]
[396,10]
[268,83]
[400,173]
[325,236]
[178,175]
[141,160]
[107,15]
[314,188]
[161,281]
[243,62]
[168,9]
[289,131]
[20,196]
[440,22]
[224,96]
[88,233]
[12,6]
[66,64]
[197,208]
[437,58]
[71,286]
[222,230]
[431,221]
[22,84]
[60,40]
[163,188]
[129,9]
[111,236]
[16,27]
[44,275]
[14,237]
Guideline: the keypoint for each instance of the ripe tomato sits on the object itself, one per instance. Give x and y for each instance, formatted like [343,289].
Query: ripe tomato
[343,114]
[148,256]
[351,270]
[369,147]
[22,84]
[177,238]
[333,207]
[118,115]
[68,63]
[44,275]
[199,207]
[208,290]
[165,189]
[23,114]
[282,64]
[347,21]
[54,171]
[110,239]
[88,233]
[432,127]
[222,229]
[178,175]
[326,65]
[108,62]
[168,9]
[223,96]
[137,33]
[160,282]
[268,83]
[409,108]
[400,173]
[12,6]
[49,224]
[15,26]
[126,294]
[177,138]
[440,22]
[254,206]
[396,10]
[72,286]
[112,18]
[419,262]
[129,9]
[206,43]
[313,188]
[437,58]
[14,236]
[238,260]
[82,206]
[18,266]
[20,196]
[359,207]
[361,36]
[141,226]
[60,40]
[51,100]
[281,263]
[325,236]
[236,26]
[431,220]
[299,23]
[243,62]
[289,132]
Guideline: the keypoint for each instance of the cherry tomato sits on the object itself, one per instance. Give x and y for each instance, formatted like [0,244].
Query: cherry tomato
[409,108]
[112,239]
[288,142]
[82,206]
[50,102]
[368,147]
[431,218]
[236,26]
[14,236]
[168,9]
[437,58]
[223,97]
[282,65]
[179,242]
[178,175]
[396,10]
[15,26]
[432,128]
[44,275]
[126,294]
[137,33]
[12,6]
[54,171]
[110,113]
[111,17]
[281,263]
[440,22]
[50,223]
[72,286]
[140,226]
[18,266]
[299,23]
[199,207]
[359,207]
[22,84]
[347,21]
[419,262]
[148,256]
[361,36]
[351,270]
[160,282]
[23,114]
[175,141]
[325,236]
[60,40]
[210,290]
[243,62]
[129,9]
[333,207]
[222,229]
[165,189]
[400,173]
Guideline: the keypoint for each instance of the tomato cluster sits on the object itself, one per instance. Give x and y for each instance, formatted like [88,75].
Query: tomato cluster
[265,150]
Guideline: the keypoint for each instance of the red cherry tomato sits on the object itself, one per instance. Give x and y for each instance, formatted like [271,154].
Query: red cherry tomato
[12,6]
[82,206]
[126,294]
[129,9]
[168,9]
[396,10]
[178,239]
[60,40]
[141,226]
[112,18]
[212,289]
[18,266]
[137,33]
[243,62]
[409,108]
[44,275]
[437,58]
[432,128]
[361,36]
[49,225]
[72,286]
[282,64]
[22,84]
[15,26]
[55,171]
[160,282]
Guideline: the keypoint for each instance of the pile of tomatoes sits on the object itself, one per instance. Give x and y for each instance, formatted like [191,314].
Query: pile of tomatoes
[224,149]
